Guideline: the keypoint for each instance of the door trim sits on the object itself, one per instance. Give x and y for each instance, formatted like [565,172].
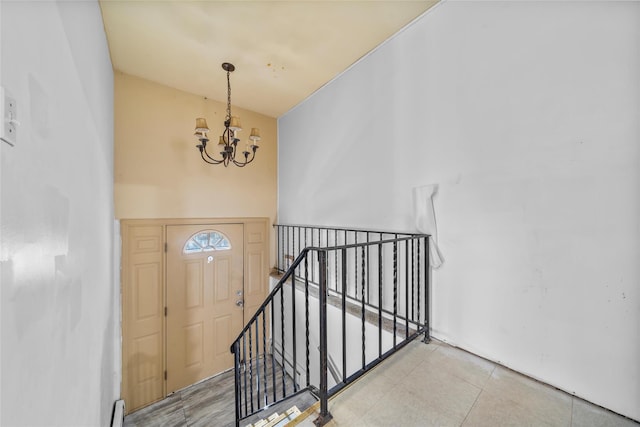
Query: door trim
[126,225]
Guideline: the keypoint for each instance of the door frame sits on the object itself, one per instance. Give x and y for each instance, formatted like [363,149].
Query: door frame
[256,231]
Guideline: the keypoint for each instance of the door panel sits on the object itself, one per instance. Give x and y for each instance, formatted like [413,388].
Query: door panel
[222,334]
[194,284]
[256,267]
[203,317]
[193,336]
[222,291]
[142,293]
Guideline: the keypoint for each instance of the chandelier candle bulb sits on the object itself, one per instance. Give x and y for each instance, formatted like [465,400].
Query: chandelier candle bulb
[255,135]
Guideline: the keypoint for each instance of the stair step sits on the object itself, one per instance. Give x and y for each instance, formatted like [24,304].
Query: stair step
[278,420]
[301,400]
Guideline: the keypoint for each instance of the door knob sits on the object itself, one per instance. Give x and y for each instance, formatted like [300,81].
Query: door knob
[240,303]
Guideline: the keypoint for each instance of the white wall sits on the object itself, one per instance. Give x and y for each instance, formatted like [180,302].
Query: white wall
[59,327]
[526,115]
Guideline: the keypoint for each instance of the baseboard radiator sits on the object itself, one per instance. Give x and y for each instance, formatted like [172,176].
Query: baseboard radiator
[118,414]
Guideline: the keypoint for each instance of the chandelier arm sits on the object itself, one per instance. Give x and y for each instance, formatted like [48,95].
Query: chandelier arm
[211,161]
[217,162]
[240,165]
[248,159]
[214,162]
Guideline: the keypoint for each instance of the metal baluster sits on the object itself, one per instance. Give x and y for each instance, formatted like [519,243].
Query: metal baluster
[427,270]
[294,338]
[346,240]
[313,270]
[280,249]
[273,352]
[368,270]
[355,267]
[306,315]
[283,367]
[285,245]
[295,252]
[250,371]
[418,281]
[395,289]
[258,382]
[244,362]
[344,318]
[264,357]
[406,288]
[299,250]
[413,268]
[326,244]
[363,310]
[335,261]
[380,299]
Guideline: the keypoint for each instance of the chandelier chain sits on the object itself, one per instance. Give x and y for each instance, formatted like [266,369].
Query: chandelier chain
[228,96]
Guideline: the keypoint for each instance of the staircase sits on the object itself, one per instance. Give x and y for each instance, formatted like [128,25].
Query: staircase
[278,420]
[347,299]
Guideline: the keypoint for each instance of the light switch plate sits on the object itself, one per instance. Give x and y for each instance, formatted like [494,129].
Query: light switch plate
[9,116]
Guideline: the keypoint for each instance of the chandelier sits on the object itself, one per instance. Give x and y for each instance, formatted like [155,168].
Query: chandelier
[228,141]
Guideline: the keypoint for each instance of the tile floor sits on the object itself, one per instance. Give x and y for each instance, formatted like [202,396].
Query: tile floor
[440,385]
[422,385]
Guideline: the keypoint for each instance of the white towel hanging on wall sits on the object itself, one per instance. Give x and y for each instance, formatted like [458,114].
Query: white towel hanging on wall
[425,217]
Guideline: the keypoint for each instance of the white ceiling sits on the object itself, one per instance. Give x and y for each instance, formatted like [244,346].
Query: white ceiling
[283,50]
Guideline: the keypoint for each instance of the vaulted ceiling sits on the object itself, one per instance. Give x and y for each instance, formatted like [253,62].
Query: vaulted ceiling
[283,50]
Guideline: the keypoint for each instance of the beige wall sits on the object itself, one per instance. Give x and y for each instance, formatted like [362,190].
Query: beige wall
[158,170]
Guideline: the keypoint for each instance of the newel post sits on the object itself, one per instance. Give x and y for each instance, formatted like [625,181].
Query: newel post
[324,416]
[235,349]
[427,283]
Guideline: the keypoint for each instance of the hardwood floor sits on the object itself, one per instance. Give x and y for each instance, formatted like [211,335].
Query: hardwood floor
[209,403]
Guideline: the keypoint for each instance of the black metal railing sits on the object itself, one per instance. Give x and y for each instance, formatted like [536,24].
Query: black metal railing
[342,306]
[291,239]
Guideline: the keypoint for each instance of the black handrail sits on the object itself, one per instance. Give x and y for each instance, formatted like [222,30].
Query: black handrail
[274,291]
[266,354]
[359,230]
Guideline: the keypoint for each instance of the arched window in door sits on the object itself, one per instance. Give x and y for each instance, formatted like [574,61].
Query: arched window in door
[206,241]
